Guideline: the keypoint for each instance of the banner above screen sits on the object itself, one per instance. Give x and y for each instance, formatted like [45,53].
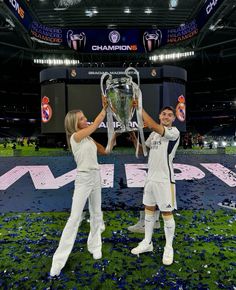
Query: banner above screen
[107,40]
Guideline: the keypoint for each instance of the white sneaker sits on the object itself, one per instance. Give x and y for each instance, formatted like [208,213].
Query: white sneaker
[140,227]
[55,272]
[168,256]
[97,254]
[142,247]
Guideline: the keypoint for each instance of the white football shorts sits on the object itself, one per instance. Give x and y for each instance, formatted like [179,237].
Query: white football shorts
[161,194]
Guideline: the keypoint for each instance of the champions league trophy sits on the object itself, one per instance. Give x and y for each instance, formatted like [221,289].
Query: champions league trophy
[76,41]
[152,41]
[120,93]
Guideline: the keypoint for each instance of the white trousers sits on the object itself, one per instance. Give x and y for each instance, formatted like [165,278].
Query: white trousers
[87,187]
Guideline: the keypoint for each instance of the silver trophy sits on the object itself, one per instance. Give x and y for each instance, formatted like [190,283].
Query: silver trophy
[120,93]
[76,41]
[152,41]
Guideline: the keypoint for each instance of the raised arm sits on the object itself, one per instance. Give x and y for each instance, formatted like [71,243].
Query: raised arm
[100,148]
[152,124]
[85,132]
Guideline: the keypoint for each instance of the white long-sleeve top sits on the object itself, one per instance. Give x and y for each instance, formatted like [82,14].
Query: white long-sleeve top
[161,155]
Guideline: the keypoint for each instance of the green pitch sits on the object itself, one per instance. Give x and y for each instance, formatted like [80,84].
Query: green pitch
[30,151]
[205,251]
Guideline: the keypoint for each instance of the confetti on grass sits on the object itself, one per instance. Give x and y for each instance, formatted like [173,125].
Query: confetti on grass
[205,248]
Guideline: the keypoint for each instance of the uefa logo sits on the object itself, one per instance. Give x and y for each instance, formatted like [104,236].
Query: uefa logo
[114,36]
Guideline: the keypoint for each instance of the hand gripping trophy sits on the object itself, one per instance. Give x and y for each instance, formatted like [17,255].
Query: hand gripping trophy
[120,93]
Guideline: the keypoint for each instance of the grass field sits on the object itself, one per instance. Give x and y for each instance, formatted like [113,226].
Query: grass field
[205,251]
[30,151]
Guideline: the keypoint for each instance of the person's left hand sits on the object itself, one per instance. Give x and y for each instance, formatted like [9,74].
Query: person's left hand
[104,102]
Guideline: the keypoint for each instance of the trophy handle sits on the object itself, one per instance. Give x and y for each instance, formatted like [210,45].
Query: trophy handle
[130,77]
[110,127]
[102,81]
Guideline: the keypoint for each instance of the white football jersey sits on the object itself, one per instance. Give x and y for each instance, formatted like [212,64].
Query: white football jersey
[161,155]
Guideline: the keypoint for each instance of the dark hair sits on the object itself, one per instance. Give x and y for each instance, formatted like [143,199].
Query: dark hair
[168,108]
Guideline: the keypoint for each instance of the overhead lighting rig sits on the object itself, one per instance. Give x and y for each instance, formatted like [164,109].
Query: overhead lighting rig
[64,4]
[171,56]
[56,61]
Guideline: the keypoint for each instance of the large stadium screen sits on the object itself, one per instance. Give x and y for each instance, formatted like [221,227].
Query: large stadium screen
[53,108]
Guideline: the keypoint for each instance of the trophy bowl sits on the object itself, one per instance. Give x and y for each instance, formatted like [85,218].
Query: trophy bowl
[119,93]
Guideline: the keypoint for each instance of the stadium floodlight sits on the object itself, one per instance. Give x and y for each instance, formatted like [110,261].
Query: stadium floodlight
[56,61]
[148,11]
[69,2]
[173,4]
[65,4]
[127,10]
[171,56]
[91,12]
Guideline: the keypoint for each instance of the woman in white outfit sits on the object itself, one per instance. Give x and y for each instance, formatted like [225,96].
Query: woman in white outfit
[87,187]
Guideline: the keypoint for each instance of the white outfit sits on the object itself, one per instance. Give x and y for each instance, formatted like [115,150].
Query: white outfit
[160,184]
[87,187]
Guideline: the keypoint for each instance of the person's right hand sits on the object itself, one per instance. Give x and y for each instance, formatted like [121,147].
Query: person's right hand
[135,103]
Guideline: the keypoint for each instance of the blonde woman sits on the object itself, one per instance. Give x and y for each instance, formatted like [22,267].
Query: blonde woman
[87,187]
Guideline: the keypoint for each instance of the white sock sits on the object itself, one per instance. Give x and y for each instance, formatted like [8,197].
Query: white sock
[149,224]
[169,228]
[142,216]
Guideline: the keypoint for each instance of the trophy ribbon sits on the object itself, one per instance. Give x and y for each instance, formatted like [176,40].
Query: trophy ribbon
[138,95]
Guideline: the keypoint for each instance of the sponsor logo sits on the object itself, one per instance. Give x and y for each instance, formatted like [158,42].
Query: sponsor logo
[153,72]
[46,110]
[76,41]
[18,9]
[151,41]
[211,6]
[73,73]
[181,109]
[114,36]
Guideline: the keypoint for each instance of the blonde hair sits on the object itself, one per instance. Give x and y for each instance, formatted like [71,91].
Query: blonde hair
[71,124]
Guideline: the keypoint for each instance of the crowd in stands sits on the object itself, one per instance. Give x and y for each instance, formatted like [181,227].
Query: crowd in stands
[19,142]
[190,141]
